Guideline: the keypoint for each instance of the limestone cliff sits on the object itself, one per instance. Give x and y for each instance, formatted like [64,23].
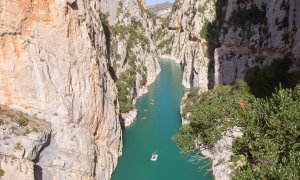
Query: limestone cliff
[161,10]
[185,44]
[217,41]
[255,33]
[131,51]
[53,66]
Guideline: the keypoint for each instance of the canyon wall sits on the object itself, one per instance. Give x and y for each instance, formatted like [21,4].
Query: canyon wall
[53,66]
[255,33]
[131,51]
[74,65]
[218,41]
[187,47]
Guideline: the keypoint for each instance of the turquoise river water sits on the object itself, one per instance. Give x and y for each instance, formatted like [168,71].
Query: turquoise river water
[158,120]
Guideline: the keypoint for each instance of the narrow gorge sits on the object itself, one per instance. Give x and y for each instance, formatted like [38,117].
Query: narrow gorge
[73,75]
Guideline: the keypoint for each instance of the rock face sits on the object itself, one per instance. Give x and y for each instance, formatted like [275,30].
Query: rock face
[255,33]
[221,154]
[21,136]
[132,52]
[15,168]
[162,10]
[218,41]
[60,62]
[186,44]
[53,66]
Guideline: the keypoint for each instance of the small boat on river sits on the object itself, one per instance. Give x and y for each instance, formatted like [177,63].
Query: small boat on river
[154,156]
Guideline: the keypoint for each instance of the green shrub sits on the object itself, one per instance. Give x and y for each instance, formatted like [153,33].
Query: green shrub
[201,9]
[204,30]
[18,147]
[144,77]
[166,44]
[35,129]
[125,85]
[212,113]
[26,131]
[22,121]
[185,139]
[271,138]
[296,92]
[134,34]
[2,172]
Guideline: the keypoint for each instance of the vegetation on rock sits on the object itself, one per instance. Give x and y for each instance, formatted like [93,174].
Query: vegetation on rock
[166,44]
[266,109]
[126,85]
[22,121]
[2,172]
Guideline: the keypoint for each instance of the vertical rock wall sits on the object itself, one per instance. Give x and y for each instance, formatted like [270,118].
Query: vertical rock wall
[218,41]
[53,65]
[255,33]
[132,51]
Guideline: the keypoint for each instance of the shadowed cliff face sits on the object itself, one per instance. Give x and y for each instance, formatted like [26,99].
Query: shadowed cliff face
[53,66]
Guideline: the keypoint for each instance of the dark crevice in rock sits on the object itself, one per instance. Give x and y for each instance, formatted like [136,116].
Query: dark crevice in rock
[95,165]
[122,122]
[107,34]
[126,59]
[73,5]
[38,171]
[47,143]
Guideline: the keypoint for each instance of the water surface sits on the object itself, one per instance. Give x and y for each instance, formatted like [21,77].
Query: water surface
[158,120]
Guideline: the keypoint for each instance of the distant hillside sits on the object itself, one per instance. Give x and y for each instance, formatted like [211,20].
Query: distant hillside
[162,10]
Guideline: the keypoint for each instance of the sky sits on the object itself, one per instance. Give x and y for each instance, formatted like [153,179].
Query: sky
[151,2]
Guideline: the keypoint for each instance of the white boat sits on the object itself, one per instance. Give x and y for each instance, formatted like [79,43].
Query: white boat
[154,156]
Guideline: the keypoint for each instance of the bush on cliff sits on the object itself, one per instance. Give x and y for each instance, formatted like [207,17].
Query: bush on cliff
[212,113]
[271,129]
[268,114]
[271,140]
[125,86]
